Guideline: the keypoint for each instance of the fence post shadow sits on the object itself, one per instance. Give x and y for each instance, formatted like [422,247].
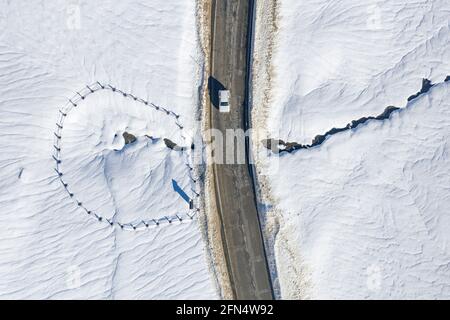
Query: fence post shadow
[177,188]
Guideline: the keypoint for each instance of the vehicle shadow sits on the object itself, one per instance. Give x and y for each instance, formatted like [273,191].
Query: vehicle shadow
[214,86]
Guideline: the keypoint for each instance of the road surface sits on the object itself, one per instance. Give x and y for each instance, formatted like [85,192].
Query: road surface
[235,197]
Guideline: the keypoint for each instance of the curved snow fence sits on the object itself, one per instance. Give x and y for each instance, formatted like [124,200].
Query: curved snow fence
[76,102]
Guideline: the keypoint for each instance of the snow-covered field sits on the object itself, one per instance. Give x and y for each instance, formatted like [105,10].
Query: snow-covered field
[365,214]
[52,245]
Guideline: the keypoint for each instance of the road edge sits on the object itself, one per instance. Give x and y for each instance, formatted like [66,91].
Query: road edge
[248,125]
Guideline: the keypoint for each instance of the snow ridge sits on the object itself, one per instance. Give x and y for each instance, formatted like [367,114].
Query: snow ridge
[279,146]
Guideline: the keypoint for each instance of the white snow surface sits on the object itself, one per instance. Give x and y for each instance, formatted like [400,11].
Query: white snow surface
[369,208]
[344,60]
[366,214]
[49,247]
[132,179]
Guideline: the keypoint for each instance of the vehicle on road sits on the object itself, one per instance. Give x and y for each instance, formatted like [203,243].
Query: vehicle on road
[224,100]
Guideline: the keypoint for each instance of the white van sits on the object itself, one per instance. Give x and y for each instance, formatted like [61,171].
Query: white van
[224,100]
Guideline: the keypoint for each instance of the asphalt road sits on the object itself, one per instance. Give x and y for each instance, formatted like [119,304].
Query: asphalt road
[241,232]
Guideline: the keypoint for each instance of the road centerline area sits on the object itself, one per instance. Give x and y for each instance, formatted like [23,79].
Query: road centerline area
[242,238]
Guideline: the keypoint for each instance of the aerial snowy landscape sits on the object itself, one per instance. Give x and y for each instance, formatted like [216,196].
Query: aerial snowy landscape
[106,114]
[364,212]
[69,222]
